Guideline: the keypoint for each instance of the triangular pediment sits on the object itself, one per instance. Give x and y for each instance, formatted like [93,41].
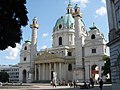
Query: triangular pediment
[46,56]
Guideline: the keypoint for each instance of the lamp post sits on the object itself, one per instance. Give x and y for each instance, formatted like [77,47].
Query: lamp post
[89,70]
[83,62]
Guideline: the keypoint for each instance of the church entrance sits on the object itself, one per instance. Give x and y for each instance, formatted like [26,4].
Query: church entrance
[24,76]
[37,74]
[52,75]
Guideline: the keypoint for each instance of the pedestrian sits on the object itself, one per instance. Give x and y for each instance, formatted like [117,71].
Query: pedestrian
[98,80]
[74,83]
[85,85]
[53,83]
[101,84]
[70,83]
[92,82]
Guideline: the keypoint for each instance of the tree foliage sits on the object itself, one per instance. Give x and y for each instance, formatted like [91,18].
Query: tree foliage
[4,77]
[13,15]
[106,67]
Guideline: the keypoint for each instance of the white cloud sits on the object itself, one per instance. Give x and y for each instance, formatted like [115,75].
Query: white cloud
[103,1]
[12,53]
[44,34]
[101,11]
[83,3]
[44,47]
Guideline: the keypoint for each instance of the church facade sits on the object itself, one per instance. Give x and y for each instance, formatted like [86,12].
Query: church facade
[76,53]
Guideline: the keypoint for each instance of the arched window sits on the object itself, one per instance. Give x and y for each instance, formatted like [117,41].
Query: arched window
[75,10]
[70,67]
[68,11]
[24,76]
[60,40]
[60,26]
[93,36]
[25,48]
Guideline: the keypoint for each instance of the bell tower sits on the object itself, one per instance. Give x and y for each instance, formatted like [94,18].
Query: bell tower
[34,26]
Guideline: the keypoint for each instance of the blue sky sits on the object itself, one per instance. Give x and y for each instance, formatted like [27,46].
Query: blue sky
[47,12]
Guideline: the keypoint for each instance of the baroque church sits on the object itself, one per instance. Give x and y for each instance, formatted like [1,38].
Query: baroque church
[76,54]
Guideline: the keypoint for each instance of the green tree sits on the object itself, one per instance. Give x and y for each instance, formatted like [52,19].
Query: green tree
[4,76]
[13,15]
[106,68]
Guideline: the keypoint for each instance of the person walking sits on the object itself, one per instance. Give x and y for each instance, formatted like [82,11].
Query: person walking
[92,82]
[74,83]
[53,83]
[101,84]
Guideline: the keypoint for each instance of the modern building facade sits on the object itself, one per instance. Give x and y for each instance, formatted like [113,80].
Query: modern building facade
[113,9]
[74,53]
[12,70]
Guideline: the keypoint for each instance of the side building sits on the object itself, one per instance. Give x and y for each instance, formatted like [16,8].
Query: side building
[13,71]
[113,9]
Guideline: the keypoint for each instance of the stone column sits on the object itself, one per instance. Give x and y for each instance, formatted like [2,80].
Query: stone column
[43,71]
[49,71]
[60,71]
[66,52]
[55,67]
[55,72]
[73,39]
[35,71]
[46,72]
[87,71]
[100,67]
[66,70]
[34,26]
[39,71]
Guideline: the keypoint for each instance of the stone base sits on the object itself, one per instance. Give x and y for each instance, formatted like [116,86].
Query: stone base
[78,75]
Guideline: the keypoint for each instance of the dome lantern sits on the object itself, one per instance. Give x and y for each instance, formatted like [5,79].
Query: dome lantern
[69,8]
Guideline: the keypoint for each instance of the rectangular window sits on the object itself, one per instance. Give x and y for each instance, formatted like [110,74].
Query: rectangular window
[24,58]
[93,50]
[69,54]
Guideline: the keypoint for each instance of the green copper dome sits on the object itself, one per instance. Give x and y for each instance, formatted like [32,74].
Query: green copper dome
[76,6]
[66,21]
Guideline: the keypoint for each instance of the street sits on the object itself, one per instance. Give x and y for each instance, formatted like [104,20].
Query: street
[48,87]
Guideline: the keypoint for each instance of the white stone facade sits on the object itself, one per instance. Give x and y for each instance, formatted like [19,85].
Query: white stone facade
[24,65]
[70,56]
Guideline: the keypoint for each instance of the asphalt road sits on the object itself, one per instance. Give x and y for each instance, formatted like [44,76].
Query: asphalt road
[48,87]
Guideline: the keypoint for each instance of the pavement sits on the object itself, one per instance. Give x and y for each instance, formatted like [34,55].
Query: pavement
[35,86]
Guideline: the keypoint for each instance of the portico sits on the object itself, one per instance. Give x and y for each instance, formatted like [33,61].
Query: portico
[47,63]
